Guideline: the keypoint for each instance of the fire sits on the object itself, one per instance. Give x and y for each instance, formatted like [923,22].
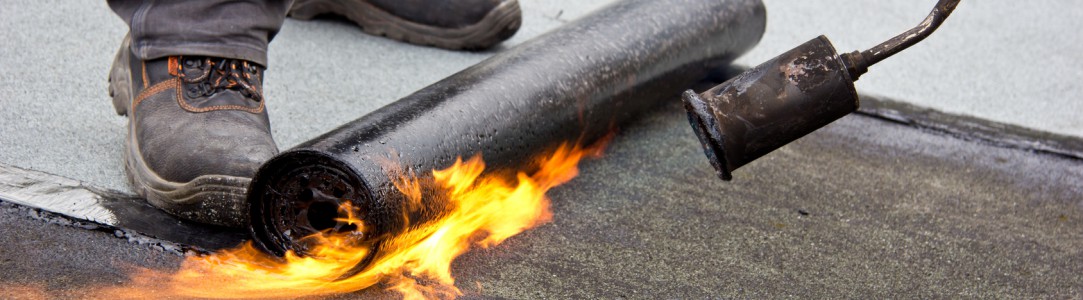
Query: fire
[483,211]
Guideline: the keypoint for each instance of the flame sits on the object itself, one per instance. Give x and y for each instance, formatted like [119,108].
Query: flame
[26,292]
[483,210]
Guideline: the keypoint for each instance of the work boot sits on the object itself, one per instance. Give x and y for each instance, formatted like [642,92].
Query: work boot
[450,24]
[197,132]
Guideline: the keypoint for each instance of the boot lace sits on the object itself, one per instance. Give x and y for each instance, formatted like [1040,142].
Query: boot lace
[219,74]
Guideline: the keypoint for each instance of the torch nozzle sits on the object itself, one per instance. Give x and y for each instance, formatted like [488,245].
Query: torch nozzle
[858,61]
[788,96]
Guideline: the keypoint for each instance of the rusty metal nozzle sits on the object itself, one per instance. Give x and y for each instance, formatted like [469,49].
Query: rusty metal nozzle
[771,105]
[788,96]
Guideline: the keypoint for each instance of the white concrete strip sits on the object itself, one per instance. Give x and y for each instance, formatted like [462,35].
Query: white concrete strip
[53,193]
[67,201]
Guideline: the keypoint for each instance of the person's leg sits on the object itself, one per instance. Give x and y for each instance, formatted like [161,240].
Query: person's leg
[238,29]
[451,24]
[189,76]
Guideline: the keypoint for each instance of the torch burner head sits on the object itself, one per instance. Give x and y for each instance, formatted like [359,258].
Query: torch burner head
[789,96]
[771,105]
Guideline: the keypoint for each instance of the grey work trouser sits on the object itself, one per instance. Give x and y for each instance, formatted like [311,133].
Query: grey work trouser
[237,29]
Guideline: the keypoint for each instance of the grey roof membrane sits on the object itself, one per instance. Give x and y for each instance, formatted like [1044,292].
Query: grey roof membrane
[1006,61]
[863,207]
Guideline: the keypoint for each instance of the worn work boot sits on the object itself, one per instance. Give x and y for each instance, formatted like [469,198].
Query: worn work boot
[451,24]
[197,132]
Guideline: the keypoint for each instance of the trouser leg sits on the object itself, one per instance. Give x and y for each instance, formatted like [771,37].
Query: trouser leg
[237,29]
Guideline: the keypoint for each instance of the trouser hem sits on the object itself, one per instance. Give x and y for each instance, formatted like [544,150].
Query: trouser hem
[150,50]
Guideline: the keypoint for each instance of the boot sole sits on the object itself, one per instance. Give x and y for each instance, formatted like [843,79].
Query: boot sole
[211,199]
[498,25]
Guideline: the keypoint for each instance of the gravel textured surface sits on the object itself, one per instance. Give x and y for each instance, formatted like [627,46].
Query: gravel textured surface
[1001,60]
[862,209]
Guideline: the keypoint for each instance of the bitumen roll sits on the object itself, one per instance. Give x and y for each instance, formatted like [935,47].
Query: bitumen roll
[574,84]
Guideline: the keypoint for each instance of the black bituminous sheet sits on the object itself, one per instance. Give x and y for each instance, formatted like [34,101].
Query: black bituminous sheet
[889,210]
[575,83]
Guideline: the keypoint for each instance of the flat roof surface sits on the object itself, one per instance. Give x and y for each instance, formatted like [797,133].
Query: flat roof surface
[863,207]
[1005,61]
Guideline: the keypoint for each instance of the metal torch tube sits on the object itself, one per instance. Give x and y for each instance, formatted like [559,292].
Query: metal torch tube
[574,83]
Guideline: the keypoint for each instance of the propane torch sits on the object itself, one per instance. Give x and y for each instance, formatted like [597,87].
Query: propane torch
[788,96]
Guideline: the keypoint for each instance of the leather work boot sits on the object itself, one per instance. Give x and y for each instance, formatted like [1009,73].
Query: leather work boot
[450,24]
[197,132]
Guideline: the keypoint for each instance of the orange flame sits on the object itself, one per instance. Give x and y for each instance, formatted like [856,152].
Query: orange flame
[483,210]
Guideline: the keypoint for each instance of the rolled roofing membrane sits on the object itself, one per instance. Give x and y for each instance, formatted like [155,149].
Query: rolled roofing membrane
[573,84]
